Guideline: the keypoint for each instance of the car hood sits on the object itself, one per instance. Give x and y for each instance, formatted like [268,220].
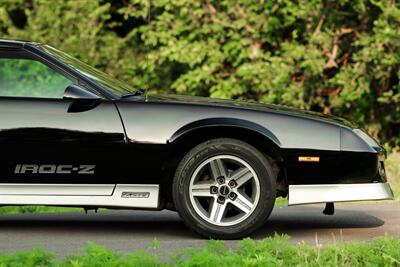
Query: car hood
[194,100]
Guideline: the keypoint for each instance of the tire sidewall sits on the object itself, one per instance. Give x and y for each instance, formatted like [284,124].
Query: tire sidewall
[217,147]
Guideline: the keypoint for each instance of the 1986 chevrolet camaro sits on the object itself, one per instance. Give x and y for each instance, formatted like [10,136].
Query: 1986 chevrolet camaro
[71,135]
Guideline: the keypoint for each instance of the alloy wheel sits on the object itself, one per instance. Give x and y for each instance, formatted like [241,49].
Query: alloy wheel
[224,190]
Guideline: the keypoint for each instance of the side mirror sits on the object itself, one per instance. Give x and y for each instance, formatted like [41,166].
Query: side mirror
[76,92]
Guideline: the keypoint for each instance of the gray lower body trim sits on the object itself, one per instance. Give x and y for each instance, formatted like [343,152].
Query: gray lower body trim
[57,189]
[322,193]
[103,195]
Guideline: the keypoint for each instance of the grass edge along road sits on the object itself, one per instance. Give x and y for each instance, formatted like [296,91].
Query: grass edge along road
[272,251]
[392,166]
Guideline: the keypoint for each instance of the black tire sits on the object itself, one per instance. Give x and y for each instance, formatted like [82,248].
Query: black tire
[207,150]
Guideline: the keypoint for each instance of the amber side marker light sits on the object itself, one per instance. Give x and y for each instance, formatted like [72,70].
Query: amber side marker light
[308,159]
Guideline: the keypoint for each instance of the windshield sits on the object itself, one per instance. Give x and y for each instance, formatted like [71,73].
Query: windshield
[97,76]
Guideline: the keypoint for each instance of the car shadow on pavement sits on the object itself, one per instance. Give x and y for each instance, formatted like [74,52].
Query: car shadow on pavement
[283,220]
[113,222]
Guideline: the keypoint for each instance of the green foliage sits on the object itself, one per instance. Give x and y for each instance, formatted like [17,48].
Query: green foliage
[22,77]
[35,209]
[336,57]
[392,166]
[273,251]
[100,256]
[34,258]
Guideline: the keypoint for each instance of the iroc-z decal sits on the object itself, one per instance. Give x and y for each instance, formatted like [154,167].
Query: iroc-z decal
[54,169]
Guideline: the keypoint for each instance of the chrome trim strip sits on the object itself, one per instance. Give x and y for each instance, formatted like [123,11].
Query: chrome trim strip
[57,189]
[141,196]
[321,193]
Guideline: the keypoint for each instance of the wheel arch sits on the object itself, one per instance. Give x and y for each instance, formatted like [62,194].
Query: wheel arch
[215,123]
[200,131]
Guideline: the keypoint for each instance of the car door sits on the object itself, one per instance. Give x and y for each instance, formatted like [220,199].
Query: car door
[50,144]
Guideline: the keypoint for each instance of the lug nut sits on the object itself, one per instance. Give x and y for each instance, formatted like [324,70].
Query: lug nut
[221,200]
[221,180]
[232,196]
[214,190]
[232,183]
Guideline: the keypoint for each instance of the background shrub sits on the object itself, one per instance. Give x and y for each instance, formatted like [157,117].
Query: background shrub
[336,57]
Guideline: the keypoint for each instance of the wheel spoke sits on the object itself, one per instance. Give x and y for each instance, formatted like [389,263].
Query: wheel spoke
[218,168]
[243,203]
[224,190]
[242,176]
[217,211]
[202,189]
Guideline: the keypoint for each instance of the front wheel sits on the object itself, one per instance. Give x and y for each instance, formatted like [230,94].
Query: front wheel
[224,188]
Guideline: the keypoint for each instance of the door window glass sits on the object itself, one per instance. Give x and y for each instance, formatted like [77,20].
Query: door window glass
[30,78]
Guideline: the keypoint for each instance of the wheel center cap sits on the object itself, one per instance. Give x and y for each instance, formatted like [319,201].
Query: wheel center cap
[224,190]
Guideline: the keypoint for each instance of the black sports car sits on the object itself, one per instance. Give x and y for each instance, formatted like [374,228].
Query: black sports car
[71,135]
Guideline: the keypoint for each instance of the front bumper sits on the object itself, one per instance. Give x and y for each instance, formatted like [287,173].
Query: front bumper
[322,193]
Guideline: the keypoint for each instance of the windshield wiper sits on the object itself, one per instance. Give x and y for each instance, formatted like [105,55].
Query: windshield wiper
[134,93]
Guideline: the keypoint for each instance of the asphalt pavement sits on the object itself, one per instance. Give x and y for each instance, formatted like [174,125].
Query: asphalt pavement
[127,231]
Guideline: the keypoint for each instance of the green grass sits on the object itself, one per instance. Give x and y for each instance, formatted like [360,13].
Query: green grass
[280,201]
[35,209]
[392,165]
[274,251]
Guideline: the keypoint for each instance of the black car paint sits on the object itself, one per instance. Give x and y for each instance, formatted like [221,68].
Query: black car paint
[321,135]
[139,139]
